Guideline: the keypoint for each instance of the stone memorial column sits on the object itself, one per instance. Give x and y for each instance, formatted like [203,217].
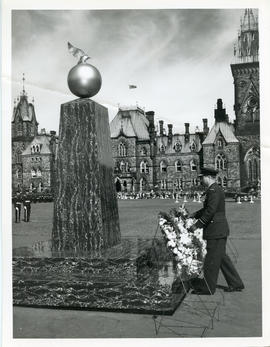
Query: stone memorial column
[85,206]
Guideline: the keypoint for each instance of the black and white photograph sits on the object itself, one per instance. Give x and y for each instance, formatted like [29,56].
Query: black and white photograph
[135,173]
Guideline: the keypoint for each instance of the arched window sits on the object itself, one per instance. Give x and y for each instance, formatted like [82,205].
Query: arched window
[196,182]
[40,187]
[255,169]
[142,184]
[220,143]
[39,172]
[178,183]
[144,167]
[252,160]
[18,156]
[163,184]
[219,181]
[193,165]
[35,148]
[178,146]
[178,166]
[34,172]
[122,150]
[224,182]
[250,171]
[122,166]
[220,162]
[193,147]
[163,167]
[162,149]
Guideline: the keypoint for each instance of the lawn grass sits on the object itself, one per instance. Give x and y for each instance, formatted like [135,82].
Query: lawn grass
[139,218]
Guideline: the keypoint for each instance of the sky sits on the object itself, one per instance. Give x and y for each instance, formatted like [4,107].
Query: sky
[179,60]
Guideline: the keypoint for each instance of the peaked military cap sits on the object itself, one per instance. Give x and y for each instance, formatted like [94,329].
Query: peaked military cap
[208,171]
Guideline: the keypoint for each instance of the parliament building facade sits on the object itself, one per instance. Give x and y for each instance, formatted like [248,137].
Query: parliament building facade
[147,157]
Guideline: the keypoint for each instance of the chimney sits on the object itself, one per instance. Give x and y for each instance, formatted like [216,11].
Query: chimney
[43,131]
[161,131]
[220,112]
[205,125]
[187,132]
[170,134]
[52,132]
[150,115]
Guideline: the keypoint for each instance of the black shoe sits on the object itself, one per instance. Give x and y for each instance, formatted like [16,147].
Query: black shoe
[230,289]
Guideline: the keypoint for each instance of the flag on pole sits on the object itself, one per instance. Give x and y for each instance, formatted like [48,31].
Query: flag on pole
[132,86]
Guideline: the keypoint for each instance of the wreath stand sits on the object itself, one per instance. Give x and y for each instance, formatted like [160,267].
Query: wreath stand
[200,312]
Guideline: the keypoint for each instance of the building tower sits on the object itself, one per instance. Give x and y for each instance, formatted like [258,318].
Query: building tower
[245,71]
[24,129]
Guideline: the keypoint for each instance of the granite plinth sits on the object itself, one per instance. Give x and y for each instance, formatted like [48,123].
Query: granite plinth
[136,276]
[85,203]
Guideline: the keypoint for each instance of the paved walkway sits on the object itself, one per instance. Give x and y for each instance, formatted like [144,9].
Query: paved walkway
[239,317]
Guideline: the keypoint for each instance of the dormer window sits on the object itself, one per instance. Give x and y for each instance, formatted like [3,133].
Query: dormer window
[162,149]
[193,147]
[143,151]
[35,148]
[122,150]
[33,173]
[177,147]
[38,172]
[220,143]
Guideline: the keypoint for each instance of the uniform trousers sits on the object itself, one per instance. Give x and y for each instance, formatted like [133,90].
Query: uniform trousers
[216,258]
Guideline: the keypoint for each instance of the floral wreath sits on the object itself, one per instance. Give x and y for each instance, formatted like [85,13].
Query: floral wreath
[188,248]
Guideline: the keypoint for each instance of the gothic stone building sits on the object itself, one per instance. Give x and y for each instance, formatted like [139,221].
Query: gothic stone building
[32,153]
[147,158]
[245,73]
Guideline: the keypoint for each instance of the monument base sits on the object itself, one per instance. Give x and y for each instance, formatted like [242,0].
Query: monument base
[135,276]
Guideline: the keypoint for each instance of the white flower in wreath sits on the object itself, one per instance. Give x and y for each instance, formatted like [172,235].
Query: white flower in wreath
[175,250]
[185,239]
[181,228]
[162,221]
[179,257]
[189,222]
[170,228]
[171,236]
[166,232]
[171,243]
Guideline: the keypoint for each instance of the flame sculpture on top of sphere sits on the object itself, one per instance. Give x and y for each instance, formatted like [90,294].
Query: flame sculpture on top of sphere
[84,80]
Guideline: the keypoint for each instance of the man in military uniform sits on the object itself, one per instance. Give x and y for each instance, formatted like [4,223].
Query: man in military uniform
[17,205]
[27,208]
[213,220]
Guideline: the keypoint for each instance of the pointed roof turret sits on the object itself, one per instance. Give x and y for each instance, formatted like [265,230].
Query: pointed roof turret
[247,48]
[24,109]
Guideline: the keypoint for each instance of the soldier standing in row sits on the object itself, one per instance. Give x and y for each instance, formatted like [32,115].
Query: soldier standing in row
[27,208]
[17,206]
[213,220]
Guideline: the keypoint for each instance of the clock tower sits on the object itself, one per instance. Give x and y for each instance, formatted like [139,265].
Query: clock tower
[245,71]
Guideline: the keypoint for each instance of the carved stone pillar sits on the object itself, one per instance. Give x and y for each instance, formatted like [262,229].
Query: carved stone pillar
[85,203]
